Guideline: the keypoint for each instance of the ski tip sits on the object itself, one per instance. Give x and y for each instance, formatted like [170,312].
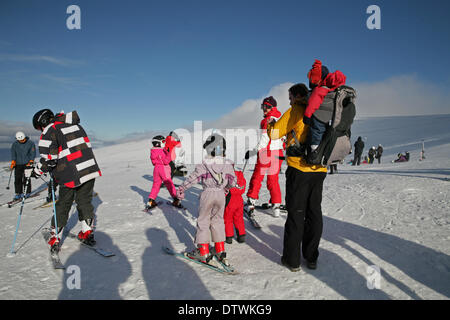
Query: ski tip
[11,254]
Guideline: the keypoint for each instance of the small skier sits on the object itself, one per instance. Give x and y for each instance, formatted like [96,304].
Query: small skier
[23,152]
[234,210]
[217,177]
[160,158]
[322,85]
[67,153]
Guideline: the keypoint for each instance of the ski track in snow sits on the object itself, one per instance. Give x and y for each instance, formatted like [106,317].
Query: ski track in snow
[394,216]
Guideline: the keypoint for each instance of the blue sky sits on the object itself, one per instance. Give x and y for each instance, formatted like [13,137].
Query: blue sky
[145,65]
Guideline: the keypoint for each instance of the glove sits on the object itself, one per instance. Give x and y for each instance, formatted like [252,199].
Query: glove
[250,153]
[306,120]
[30,163]
[28,172]
[13,164]
[180,193]
[47,166]
[34,172]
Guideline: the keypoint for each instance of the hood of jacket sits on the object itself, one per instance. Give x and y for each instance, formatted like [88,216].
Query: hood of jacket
[334,80]
[69,118]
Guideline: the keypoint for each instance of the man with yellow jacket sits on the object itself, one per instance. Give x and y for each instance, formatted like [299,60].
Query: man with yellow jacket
[304,185]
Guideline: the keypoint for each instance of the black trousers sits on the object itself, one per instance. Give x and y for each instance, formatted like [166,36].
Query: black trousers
[357,159]
[304,224]
[83,198]
[20,180]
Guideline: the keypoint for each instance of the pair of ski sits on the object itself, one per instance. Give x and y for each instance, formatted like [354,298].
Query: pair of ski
[54,254]
[149,210]
[214,264]
[16,201]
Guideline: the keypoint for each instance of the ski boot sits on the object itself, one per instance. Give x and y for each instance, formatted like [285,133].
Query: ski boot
[150,204]
[219,253]
[54,242]
[201,253]
[177,203]
[241,238]
[250,206]
[18,196]
[87,237]
[276,210]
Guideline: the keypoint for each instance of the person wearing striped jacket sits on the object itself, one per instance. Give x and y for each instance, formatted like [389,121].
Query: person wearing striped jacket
[66,153]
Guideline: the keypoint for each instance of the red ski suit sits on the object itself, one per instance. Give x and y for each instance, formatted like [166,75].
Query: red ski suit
[268,162]
[234,211]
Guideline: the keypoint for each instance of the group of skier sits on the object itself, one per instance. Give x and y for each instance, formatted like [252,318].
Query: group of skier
[66,153]
[374,153]
[218,216]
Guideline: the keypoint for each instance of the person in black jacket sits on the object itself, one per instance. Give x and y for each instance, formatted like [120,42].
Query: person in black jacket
[379,153]
[359,147]
[66,153]
[371,154]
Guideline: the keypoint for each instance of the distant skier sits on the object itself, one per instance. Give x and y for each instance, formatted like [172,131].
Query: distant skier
[401,158]
[371,154]
[234,210]
[359,147]
[217,176]
[269,159]
[379,153]
[161,158]
[67,153]
[23,152]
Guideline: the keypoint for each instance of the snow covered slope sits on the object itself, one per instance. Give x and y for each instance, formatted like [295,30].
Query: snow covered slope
[392,216]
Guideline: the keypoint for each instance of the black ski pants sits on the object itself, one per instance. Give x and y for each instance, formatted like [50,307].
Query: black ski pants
[83,198]
[20,180]
[304,224]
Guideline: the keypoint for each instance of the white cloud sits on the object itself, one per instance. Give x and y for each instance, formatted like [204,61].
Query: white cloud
[249,112]
[400,96]
[38,58]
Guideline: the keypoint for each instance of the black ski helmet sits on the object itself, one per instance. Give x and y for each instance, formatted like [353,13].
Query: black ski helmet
[158,140]
[42,119]
[215,145]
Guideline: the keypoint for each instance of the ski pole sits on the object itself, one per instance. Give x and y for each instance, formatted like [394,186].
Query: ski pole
[245,164]
[7,188]
[19,217]
[52,181]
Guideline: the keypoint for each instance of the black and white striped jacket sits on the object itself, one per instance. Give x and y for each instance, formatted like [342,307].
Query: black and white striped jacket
[65,141]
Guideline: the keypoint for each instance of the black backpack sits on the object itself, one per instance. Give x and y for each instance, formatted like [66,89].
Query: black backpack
[335,144]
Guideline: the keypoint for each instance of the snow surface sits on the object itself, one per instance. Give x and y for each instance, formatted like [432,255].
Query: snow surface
[391,215]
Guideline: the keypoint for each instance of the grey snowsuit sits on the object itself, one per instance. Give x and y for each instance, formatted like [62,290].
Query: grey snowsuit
[217,177]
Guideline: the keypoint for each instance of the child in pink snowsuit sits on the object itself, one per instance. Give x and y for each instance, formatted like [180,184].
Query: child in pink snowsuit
[217,176]
[161,173]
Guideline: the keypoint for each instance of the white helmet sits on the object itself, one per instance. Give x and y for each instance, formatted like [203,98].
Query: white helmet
[20,135]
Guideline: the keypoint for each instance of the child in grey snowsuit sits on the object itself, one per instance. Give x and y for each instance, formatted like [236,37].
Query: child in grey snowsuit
[216,174]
